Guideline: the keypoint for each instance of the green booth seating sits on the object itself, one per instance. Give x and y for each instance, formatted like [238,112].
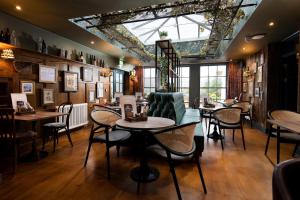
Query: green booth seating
[171,105]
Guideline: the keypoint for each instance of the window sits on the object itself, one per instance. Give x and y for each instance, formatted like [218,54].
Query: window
[149,80]
[112,85]
[185,83]
[119,81]
[213,82]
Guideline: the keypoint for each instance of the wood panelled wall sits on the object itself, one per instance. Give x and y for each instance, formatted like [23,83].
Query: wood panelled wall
[26,67]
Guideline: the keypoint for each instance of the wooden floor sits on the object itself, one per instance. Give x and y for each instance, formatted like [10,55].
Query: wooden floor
[230,174]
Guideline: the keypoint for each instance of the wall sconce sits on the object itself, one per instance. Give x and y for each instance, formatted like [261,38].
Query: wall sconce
[7,54]
[132,75]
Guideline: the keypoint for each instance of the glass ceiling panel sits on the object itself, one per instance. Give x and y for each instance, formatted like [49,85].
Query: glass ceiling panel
[190,27]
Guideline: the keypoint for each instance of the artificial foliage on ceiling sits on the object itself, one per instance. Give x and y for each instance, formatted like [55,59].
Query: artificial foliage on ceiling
[220,18]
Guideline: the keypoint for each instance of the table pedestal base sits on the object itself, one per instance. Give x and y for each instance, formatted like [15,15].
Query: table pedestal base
[215,135]
[144,175]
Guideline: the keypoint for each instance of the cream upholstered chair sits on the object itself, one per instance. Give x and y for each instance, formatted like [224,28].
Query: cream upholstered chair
[128,99]
[229,118]
[246,109]
[104,131]
[285,135]
[179,141]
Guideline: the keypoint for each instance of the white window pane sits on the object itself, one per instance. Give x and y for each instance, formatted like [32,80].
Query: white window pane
[147,82]
[223,94]
[146,91]
[152,82]
[213,82]
[121,88]
[212,70]
[117,88]
[203,82]
[185,72]
[203,92]
[188,31]
[221,70]
[204,71]
[121,78]
[152,72]
[185,82]
[117,77]
[221,82]
[147,72]
[152,89]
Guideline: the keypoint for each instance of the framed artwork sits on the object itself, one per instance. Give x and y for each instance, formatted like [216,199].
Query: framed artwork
[250,88]
[100,89]
[27,87]
[48,96]
[90,93]
[245,87]
[259,74]
[256,93]
[262,58]
[47,74]
[70,81]
[87,74]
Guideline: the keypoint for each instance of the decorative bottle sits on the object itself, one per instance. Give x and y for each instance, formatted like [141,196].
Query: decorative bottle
[13,38]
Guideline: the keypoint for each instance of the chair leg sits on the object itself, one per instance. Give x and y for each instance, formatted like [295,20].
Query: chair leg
[34,149]
[173,175]
[208,127]
[233,135]
[87,153]
[201,175]
[118,150]
[108,161]
[69,136]
[268,140]
[221,138]
[54,140]
[295,150]
[243,138]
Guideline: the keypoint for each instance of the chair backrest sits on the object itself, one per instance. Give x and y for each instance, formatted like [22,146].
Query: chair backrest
[128,99]
[228,115]
[285,178]
[66,108]
[244,105]
[104,117]
[7,124]
[178,140]
[283,115]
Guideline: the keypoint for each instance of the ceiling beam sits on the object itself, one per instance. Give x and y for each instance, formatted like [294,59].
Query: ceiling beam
[177,25]
[157,29]
[199,23]
[143,24]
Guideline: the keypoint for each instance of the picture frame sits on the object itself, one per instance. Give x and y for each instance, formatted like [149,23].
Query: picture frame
[259,74]
[48,96]
[87,74]
[245,85]
[250,88]
[90,93]
[100,90]
[70,81]
[257,92]
[47,74]
[27,87]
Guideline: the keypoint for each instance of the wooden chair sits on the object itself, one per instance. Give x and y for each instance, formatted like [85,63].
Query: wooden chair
[53,128]
[104,131]
[246,109]
[10,138]
[229,118]
[285,135]
[179,141]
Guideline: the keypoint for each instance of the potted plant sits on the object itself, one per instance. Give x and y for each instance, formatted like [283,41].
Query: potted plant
[163,35]
[164,69]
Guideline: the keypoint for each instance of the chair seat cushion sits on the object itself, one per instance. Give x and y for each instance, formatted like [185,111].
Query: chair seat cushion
[55,125]
[114,136]
[27,134]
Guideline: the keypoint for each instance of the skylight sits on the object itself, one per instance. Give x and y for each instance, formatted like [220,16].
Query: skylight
[183,28]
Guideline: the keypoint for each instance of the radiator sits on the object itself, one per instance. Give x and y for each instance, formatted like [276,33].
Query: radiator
[79,115]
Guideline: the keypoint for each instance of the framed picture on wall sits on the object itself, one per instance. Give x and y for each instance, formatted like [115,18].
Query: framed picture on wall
[245,87]
[87,74]
[250,88]
[47,74]
[259,74]
[27,87]
[100,89]
[70,81]
[48,96]
[90,93]
[257,92]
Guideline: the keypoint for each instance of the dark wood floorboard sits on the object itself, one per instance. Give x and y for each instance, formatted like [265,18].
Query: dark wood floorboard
[231,174]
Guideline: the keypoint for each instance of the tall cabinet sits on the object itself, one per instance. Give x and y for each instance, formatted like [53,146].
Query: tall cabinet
[167,67]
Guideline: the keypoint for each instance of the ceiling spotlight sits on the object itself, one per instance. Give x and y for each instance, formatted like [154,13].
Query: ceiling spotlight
[18,7]
[92,42]
[271,24]
[244,48]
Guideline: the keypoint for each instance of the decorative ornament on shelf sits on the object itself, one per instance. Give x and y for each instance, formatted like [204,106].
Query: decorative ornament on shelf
[164,70]
[132,75]
[105,72]
[163,35]
[7,54]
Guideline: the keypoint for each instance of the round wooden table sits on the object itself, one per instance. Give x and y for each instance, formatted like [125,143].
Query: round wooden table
[145,173]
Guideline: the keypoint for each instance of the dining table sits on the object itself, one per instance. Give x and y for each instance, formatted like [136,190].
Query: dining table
[288,124]
[144,172]
[210,109]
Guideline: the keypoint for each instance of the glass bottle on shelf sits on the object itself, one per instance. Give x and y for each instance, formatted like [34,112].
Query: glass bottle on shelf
[13,38]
